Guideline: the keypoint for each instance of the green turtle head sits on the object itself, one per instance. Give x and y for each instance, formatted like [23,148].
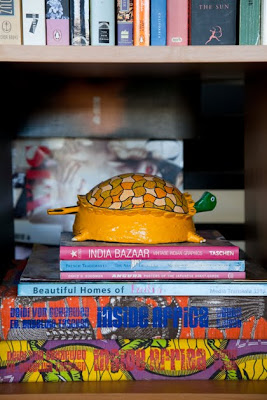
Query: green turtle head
[207,202]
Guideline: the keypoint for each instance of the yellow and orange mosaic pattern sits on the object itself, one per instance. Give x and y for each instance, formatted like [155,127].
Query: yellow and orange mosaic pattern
[129,191]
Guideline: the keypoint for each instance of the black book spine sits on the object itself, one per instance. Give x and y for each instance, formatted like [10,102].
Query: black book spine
[213,22]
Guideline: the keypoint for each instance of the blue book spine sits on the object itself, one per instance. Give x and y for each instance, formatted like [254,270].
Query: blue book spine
[151,265]
[157,288]
[158,22]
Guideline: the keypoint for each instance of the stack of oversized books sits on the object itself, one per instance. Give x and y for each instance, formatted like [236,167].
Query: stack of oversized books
[110,311]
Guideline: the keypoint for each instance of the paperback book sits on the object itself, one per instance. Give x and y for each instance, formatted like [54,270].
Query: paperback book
[141,23]
[132,360]
[216,247]
[10,22]
[79,22]
[57,22]
[33,16]
[125,22]
[102,22]
[177,22]
[158,23]
[250,22]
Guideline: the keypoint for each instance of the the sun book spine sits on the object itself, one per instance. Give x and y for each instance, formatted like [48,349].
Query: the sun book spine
[102,22]
[177,22]
[33,15]
[213,22]
[57,22]
[10,22]
[125,22]
[79,22]
[158,22]
[149,252]
[141,22]
[249,22]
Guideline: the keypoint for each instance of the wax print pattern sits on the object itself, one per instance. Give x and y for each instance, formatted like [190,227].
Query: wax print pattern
[48,361]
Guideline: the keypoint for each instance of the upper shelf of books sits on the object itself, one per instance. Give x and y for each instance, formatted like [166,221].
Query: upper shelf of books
[118,60]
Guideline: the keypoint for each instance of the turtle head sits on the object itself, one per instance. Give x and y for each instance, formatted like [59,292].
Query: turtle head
[207,202]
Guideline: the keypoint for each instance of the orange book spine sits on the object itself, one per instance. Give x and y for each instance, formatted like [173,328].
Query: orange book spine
[141,22]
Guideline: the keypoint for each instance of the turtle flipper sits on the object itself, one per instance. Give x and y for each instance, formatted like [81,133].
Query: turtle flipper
[195,238]
[81,237]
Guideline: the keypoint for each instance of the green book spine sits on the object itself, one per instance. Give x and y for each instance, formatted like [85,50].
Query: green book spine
[249,22]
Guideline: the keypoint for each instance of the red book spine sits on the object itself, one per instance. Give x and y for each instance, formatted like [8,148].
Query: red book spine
[149,252]
[177,23]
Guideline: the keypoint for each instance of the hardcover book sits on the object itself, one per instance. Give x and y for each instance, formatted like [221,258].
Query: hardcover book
[177,22]
[213,22]
[249,22]
[158,23]
[102,22]
[132,360]
[33,14]
[216,247]
[141,22]
[57,22]
[125,22]
[45,280]
[10,22]
[79,23]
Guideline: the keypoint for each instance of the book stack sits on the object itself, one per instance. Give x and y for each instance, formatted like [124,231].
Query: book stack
[109,311]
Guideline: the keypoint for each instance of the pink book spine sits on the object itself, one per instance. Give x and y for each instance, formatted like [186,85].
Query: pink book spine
[177,22]
[150,253]
[161,275]
[57,32]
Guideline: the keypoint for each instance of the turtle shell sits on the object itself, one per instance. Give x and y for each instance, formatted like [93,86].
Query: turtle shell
[133,191]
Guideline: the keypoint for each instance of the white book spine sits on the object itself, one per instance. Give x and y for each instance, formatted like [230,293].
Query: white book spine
[264,22]
[102,22]
[33,16]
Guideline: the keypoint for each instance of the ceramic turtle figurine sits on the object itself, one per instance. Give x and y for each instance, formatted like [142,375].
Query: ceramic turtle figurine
[137,208]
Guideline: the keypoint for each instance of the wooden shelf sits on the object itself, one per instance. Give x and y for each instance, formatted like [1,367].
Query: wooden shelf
[153,60]
[145,390]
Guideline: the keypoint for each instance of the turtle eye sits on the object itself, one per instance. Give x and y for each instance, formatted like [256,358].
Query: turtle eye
[212,198]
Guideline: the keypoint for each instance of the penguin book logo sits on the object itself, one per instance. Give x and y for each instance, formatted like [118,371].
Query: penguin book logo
[6,7]
[6,26]
[216,34]
[57,35]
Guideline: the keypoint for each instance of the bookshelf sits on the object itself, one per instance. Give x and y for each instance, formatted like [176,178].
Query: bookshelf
[214,62]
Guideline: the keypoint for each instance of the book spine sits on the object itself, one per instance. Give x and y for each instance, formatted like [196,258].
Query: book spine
[33,15]
[57,22]
[151,265]
[213,22]
[137,359]
[150,275]
[125,22]
[263,22]
[104,317]
[150,252]
[79,22]
[102,22]
[249,22]
[141,22]
[182,288]
[10,22]
[177,22]
[158,24]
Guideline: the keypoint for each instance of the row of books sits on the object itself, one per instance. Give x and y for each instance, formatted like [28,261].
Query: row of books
[133,22]
[133,329]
